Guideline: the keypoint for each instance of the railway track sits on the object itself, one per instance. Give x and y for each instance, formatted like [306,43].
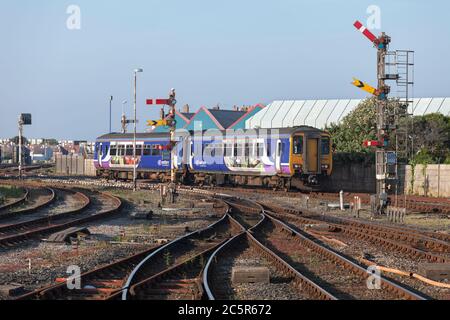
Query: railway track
[16,202]
[340,276]
[175,270]
[97,284]
[413,203]
[36,198]
[96,206]
[177,255]
[407,241]
[109,282]
[333,276]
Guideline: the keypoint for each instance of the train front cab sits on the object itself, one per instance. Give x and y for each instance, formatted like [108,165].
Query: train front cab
[310,156]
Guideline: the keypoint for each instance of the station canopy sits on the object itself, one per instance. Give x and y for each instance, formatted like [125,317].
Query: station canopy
[321,113]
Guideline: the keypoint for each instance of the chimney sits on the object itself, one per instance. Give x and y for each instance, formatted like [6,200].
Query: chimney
[186,108]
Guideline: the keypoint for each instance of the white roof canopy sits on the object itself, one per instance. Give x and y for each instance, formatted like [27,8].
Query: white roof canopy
[321,113]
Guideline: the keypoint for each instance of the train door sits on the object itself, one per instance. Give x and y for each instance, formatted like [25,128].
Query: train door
[312,154]
[278,153]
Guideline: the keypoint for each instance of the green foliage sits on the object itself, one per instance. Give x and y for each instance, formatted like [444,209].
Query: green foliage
[447,160]
[357,126]
[422,157]
[429,135]
[430,138]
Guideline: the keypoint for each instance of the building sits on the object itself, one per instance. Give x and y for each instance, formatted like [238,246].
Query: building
[321,113]
[214,118]
[220,119]
[40,152]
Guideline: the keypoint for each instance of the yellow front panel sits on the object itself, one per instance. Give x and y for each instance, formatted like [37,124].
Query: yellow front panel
[311,154]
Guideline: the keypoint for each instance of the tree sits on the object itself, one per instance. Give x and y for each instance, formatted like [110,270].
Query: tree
[429,135]
[357,126]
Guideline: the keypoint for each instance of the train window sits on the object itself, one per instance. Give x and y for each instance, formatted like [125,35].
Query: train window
[325,145]
[129,150]
[113,151]
[138,150]
[147,150]
[156,150]
[235,153]
[247,149]
[121,150]
[228,150]
[259,149]
[298,145]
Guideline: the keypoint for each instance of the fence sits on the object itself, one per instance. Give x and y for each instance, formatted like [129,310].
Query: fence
[74,165]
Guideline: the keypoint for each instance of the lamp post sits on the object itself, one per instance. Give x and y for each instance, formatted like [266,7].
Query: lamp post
[110,110]
[134,135]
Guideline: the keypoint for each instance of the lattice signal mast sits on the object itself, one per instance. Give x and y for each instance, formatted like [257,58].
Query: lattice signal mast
[396,66]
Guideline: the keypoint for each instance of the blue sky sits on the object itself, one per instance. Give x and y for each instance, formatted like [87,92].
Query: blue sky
[227,52]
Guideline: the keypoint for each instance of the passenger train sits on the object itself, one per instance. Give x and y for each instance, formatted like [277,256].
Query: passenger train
[278,158]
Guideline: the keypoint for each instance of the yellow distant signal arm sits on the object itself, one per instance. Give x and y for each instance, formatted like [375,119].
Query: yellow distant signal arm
[158,123]
[364,86]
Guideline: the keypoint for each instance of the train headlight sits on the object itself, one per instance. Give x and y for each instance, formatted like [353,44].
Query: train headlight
[325,167]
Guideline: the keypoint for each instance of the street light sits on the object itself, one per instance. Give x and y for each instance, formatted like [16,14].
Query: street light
[134,136]
[124,102]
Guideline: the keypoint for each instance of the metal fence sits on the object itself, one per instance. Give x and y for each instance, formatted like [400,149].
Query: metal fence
[74,165]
